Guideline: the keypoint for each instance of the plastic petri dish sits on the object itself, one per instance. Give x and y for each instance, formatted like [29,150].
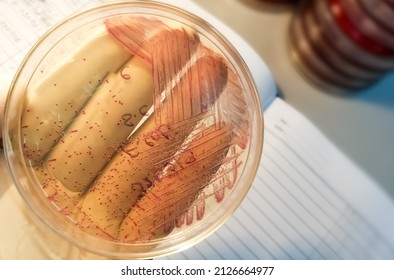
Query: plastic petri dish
[133,130]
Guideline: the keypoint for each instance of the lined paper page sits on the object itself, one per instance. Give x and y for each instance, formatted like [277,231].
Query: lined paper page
[23,22]
[308,201]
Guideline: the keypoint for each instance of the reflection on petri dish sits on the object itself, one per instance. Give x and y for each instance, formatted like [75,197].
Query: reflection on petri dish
[133,129]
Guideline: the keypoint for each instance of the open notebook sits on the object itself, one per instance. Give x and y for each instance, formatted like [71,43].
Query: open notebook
[308,200]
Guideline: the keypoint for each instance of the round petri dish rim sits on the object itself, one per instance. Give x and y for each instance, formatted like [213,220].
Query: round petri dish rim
[24,178]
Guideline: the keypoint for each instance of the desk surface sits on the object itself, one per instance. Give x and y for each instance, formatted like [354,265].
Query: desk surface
[361,125]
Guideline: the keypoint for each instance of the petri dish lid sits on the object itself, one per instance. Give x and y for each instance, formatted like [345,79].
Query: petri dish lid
[133,129]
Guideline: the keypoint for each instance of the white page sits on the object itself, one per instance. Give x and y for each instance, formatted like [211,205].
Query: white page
[308,201]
